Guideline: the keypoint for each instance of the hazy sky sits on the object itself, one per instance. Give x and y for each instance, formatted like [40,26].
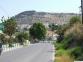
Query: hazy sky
[13,7]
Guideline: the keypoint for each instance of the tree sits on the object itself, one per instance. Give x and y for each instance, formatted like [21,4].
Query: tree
[53,26]
[37,31]
[9,28]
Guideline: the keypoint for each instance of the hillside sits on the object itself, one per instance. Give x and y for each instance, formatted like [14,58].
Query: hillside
[29,17]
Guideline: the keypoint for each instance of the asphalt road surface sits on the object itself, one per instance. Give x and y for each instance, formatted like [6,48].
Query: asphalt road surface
[40,52]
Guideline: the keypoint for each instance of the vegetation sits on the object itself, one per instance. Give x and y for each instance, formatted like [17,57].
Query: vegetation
[2,38]
[74,20]
[11,34]
[9,28]
[64,58]
[22,37]
[37,32]
[70,39]
[53,27]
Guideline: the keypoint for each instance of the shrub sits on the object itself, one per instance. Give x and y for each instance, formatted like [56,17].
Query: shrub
[61,52]
[61,32]
[74,20]
[2,38]
[71,39]
[67,41]
[80,58]
[64,58]
[58,46]
[76,52]
[76,31]
[5,39]
[21,37]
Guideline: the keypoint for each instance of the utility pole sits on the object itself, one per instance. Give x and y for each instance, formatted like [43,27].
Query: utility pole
[82,9]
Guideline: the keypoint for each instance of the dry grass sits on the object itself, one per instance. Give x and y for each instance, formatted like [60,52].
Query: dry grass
[63,59]
[76,30]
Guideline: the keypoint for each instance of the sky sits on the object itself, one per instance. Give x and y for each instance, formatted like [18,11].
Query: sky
[9,8]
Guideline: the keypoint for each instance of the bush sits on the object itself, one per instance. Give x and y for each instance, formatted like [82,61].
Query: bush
[21,37]
[61,32]
[67,41]
[76,33]
[71,39]
[61,52]
[58,46]
[80,58]
[64,58]
[60,38]
[76,52]
[2,38]
[74,20]
[5,39]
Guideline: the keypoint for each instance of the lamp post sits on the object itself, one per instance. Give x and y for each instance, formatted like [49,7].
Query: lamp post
[82,9]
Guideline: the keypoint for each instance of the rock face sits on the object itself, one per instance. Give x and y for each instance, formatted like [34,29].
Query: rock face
[30,17]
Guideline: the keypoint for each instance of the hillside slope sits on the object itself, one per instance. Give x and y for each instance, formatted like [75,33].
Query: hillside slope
[29,17]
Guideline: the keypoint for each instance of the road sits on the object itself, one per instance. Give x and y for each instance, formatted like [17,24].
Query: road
[40,52]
